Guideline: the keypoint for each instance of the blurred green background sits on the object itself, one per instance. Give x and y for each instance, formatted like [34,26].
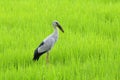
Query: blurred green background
[88,50]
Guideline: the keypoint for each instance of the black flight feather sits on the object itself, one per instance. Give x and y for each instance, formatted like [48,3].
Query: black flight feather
[36,54]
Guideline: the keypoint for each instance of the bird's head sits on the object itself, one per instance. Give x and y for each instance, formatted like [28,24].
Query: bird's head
[56,24]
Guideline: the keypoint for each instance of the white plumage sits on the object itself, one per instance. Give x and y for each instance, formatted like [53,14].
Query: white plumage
[48,42]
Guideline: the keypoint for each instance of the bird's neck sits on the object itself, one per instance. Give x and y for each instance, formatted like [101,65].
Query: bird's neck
[56,31]
[55,34]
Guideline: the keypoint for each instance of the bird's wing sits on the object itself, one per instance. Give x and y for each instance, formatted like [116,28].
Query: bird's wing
[46,45]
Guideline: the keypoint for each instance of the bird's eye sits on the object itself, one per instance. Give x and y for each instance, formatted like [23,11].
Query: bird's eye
[56,23]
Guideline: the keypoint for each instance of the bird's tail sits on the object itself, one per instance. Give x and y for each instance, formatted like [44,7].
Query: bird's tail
[37,55]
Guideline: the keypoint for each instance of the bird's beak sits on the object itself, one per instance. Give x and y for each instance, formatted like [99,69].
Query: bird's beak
[59,26]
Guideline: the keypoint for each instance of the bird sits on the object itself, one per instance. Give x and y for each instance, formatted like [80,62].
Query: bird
[47,44]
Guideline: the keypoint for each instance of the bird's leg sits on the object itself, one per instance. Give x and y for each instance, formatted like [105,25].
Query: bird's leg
[47,58]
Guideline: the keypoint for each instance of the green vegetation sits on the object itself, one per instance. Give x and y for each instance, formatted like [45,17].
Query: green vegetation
[88,50]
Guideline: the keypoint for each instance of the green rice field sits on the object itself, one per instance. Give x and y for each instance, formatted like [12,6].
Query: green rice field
[88,50]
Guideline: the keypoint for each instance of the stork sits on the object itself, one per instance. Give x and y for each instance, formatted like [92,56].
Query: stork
[48,42]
